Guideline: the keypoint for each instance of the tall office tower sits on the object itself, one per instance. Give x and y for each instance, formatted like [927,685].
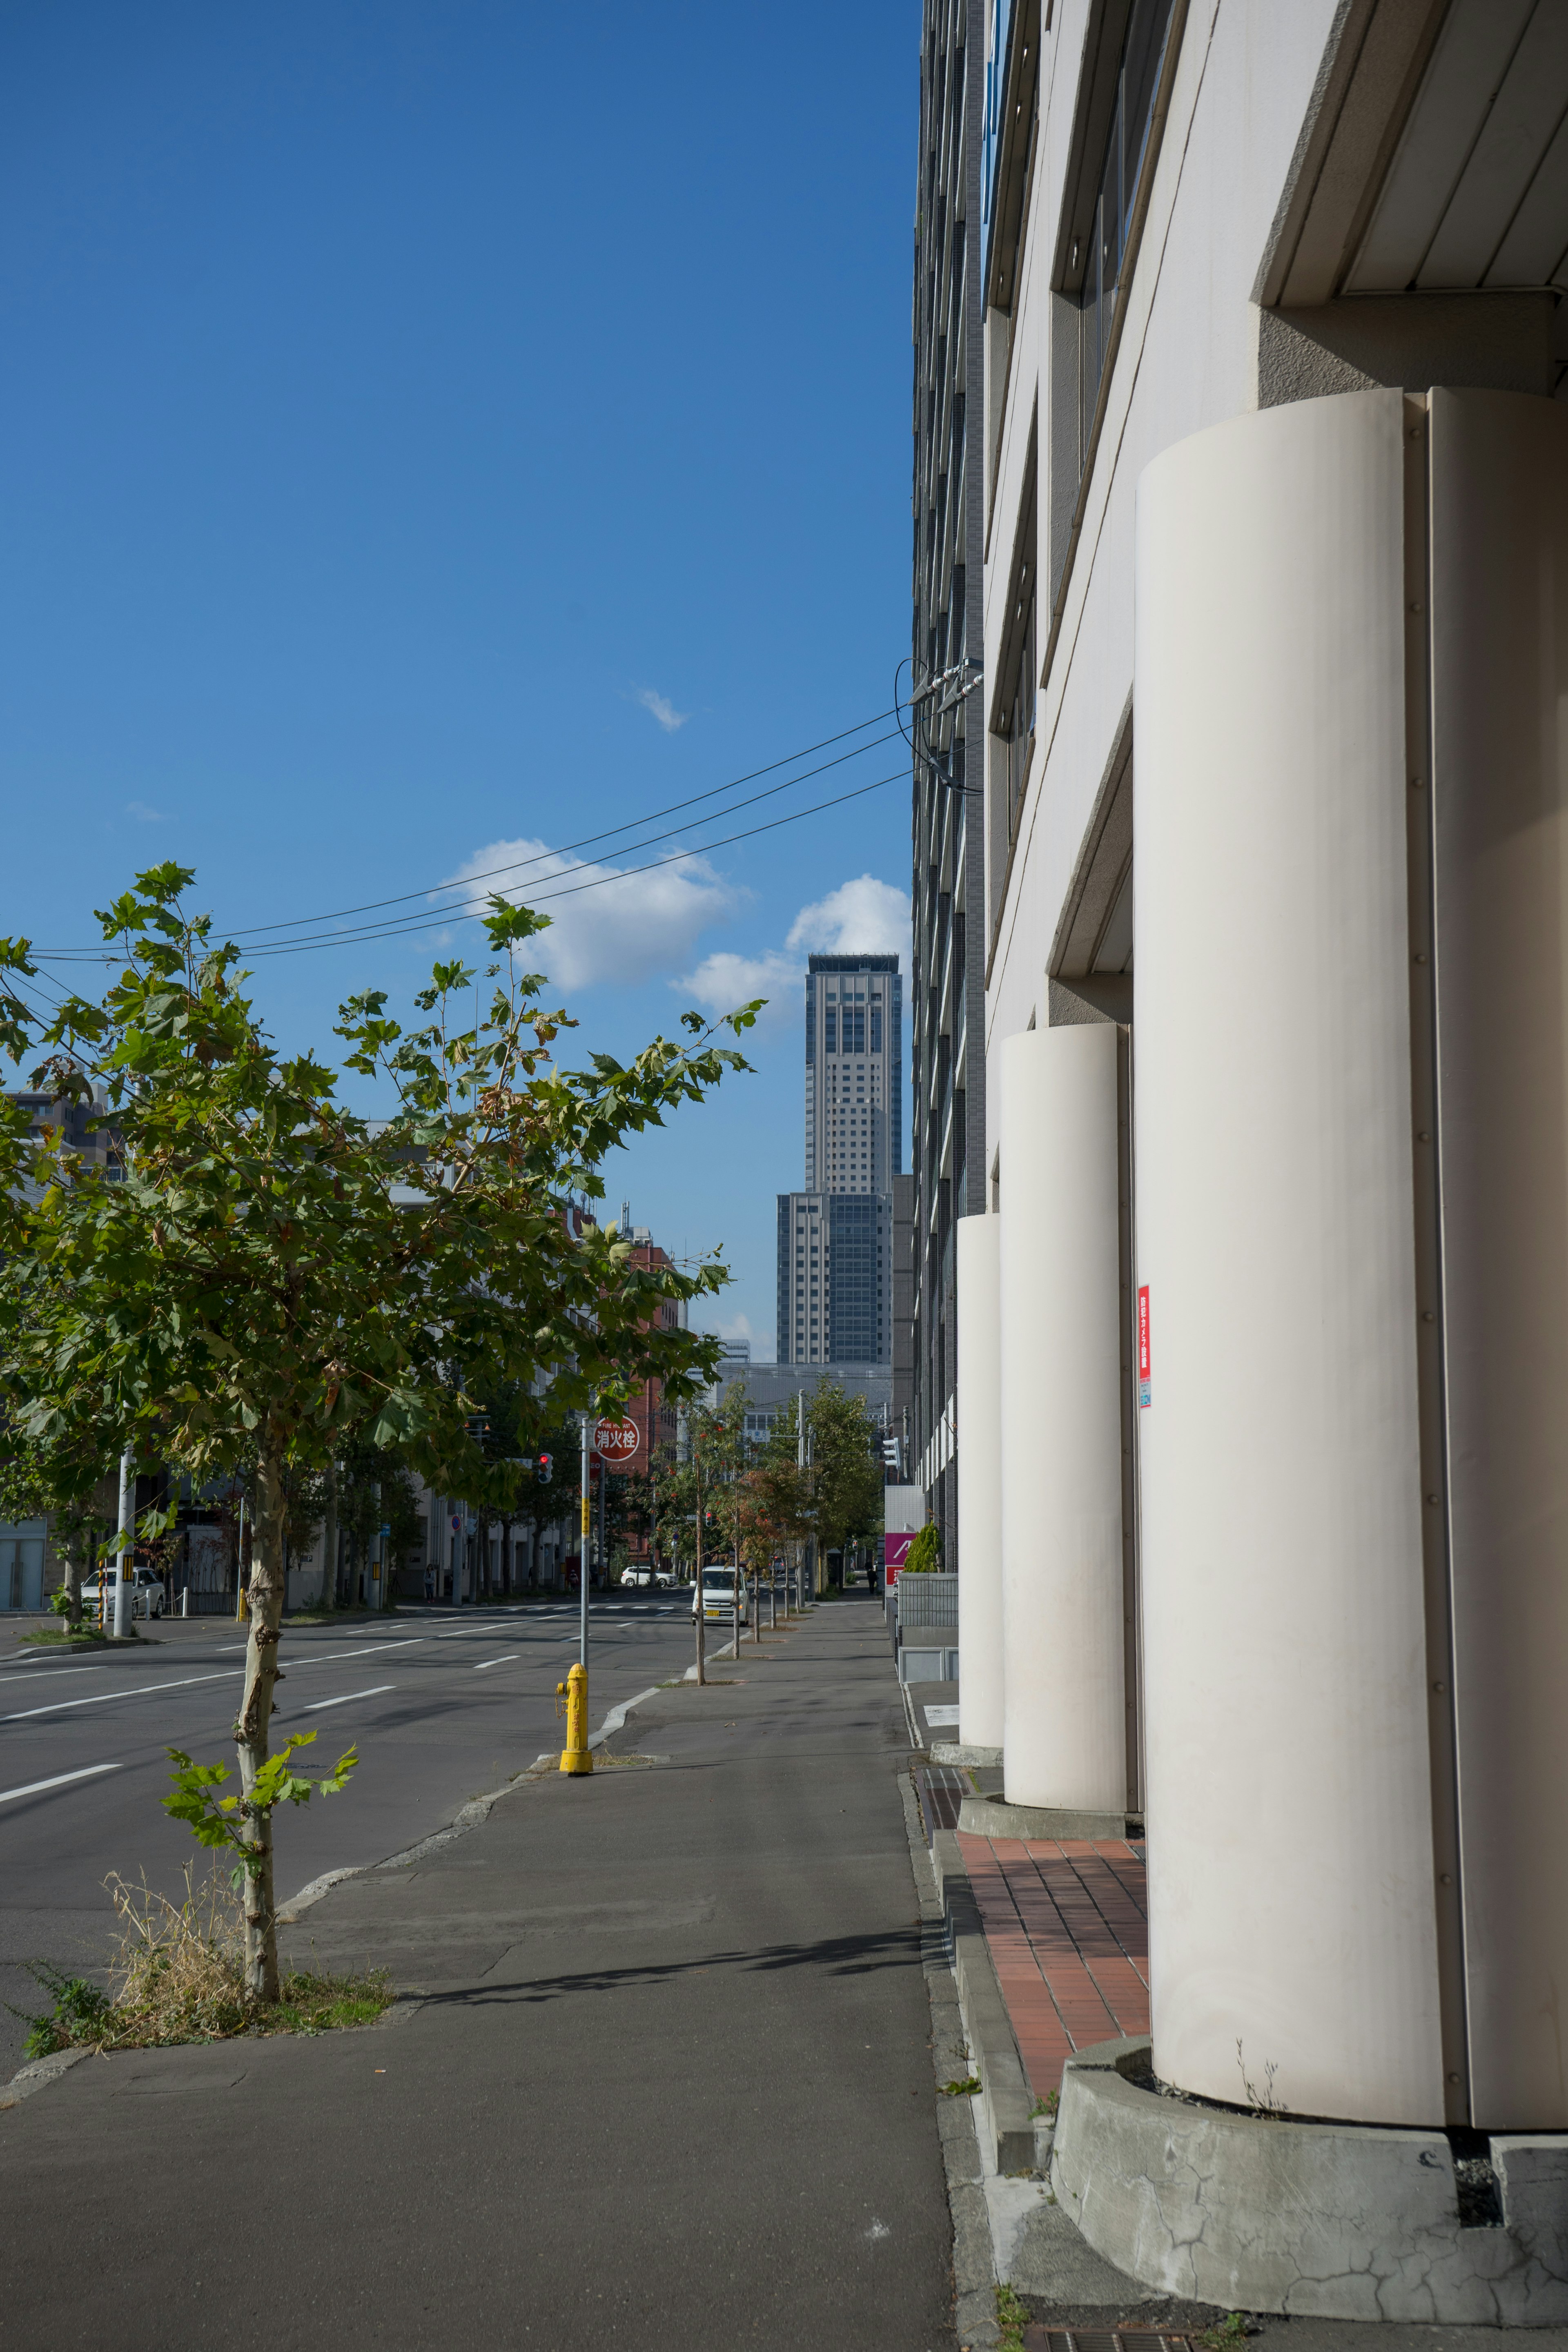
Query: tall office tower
[853,1073]
[954,245]
[835,1238]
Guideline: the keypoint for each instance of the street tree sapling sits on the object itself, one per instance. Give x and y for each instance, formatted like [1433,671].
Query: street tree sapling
[273,1271]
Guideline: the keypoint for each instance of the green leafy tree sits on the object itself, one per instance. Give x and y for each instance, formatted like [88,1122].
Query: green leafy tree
[924,1554]
[274,1270]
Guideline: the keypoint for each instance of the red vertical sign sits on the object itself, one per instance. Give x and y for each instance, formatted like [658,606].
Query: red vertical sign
[1145,1378]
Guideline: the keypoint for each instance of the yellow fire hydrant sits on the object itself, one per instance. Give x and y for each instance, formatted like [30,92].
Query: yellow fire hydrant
[574,1755]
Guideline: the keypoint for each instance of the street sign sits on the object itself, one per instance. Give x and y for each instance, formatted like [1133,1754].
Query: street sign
[616,1441]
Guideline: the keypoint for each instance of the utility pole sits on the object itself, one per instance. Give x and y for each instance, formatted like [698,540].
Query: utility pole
[701,1596]
[127,1508]
[584,1540]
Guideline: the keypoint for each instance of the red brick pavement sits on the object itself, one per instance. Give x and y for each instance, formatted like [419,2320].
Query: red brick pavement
[1067,1921]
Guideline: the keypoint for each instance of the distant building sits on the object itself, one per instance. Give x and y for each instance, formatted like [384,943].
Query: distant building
[835,1287]
[853,1073]
[770,1388]
[835,1238]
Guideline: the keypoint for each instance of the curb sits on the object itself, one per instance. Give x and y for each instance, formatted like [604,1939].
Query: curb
[467,1818]
[1005,2099]
[38,2075]
[974,2272]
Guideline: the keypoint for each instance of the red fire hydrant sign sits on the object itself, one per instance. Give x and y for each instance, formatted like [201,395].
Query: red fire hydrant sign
[1145,1381]
[616,1441]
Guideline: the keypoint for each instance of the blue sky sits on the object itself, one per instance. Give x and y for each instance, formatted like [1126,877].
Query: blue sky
[426,427]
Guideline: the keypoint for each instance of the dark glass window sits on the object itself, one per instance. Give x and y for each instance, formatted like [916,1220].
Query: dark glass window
[1136,83]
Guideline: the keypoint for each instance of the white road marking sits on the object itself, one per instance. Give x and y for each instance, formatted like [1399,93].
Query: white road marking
[54,1670]
[58,1781]
[485,1664]
[138,1690]
[370,1650]
[318,1704]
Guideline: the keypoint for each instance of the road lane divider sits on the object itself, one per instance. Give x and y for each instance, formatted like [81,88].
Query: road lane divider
[317,1704]
[53,1670]
[59,1779]
[138,1690]
[485,1665]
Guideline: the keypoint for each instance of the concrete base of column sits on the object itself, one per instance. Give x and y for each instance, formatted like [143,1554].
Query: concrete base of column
[995,1817]
[1326,2220]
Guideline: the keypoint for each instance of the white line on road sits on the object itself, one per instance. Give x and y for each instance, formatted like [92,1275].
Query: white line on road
[365,1650]
[318,1704]
[58,1781]
[53,1670]
[485,1663]
[138,1690]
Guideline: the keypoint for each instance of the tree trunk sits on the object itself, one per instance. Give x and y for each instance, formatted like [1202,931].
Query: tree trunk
[250,1731]
[329,1543]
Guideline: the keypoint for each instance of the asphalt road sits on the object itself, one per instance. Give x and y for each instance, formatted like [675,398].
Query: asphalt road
[442,1706]
[668,2086]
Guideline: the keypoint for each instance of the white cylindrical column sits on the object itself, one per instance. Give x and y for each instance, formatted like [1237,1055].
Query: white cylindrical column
[1499,789]
[977,1266]
[1064,1707]
[1289,1813]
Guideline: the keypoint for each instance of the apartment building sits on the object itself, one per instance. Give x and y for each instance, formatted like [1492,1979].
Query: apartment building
[1264,1512]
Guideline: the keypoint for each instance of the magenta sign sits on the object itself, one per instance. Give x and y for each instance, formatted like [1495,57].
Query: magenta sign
[895,1551]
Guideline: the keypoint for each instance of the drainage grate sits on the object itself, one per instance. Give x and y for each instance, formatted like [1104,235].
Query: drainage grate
[1040,2338]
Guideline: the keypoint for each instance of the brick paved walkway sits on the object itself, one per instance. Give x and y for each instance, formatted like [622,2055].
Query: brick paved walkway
[1068,1926]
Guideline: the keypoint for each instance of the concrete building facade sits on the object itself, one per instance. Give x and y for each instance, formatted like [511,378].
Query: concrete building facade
[947,981]
[1275,514]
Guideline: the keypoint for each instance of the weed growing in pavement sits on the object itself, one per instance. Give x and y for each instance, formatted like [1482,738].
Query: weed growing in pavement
[1232,2328]
[1046,2106]
[179,1976]
[1012,2318]
[1262,2103]
[964,2088]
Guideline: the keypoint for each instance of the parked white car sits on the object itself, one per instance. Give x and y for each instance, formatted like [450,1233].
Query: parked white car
[148,1598]
[639,1574]
[718,1590]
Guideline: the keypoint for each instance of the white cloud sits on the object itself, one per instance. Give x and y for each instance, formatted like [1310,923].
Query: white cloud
[627,928]
[661,707]
[860,918]
[724,981]
[743,1327]
[143,814]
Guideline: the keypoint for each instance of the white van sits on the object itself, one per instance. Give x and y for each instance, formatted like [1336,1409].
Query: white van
[719,1595]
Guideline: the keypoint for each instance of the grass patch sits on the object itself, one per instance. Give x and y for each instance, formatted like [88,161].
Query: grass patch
[179,1977]
[60,1637]
[1011,2317]
[964,2088]
[1231,2329]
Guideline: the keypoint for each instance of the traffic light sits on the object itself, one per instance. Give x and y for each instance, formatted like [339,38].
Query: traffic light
[478,1424]
[546,1464]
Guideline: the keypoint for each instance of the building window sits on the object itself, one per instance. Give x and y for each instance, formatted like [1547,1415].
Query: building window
[1100,249]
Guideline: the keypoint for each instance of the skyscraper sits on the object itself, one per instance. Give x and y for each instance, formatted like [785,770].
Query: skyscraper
[853,1073]
[835,1238]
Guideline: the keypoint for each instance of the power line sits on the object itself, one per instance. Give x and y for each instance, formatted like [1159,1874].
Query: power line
[300,922]
[410,925]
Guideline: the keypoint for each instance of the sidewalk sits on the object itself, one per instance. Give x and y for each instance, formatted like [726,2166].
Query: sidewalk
[661,2078]
[1066,1924]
